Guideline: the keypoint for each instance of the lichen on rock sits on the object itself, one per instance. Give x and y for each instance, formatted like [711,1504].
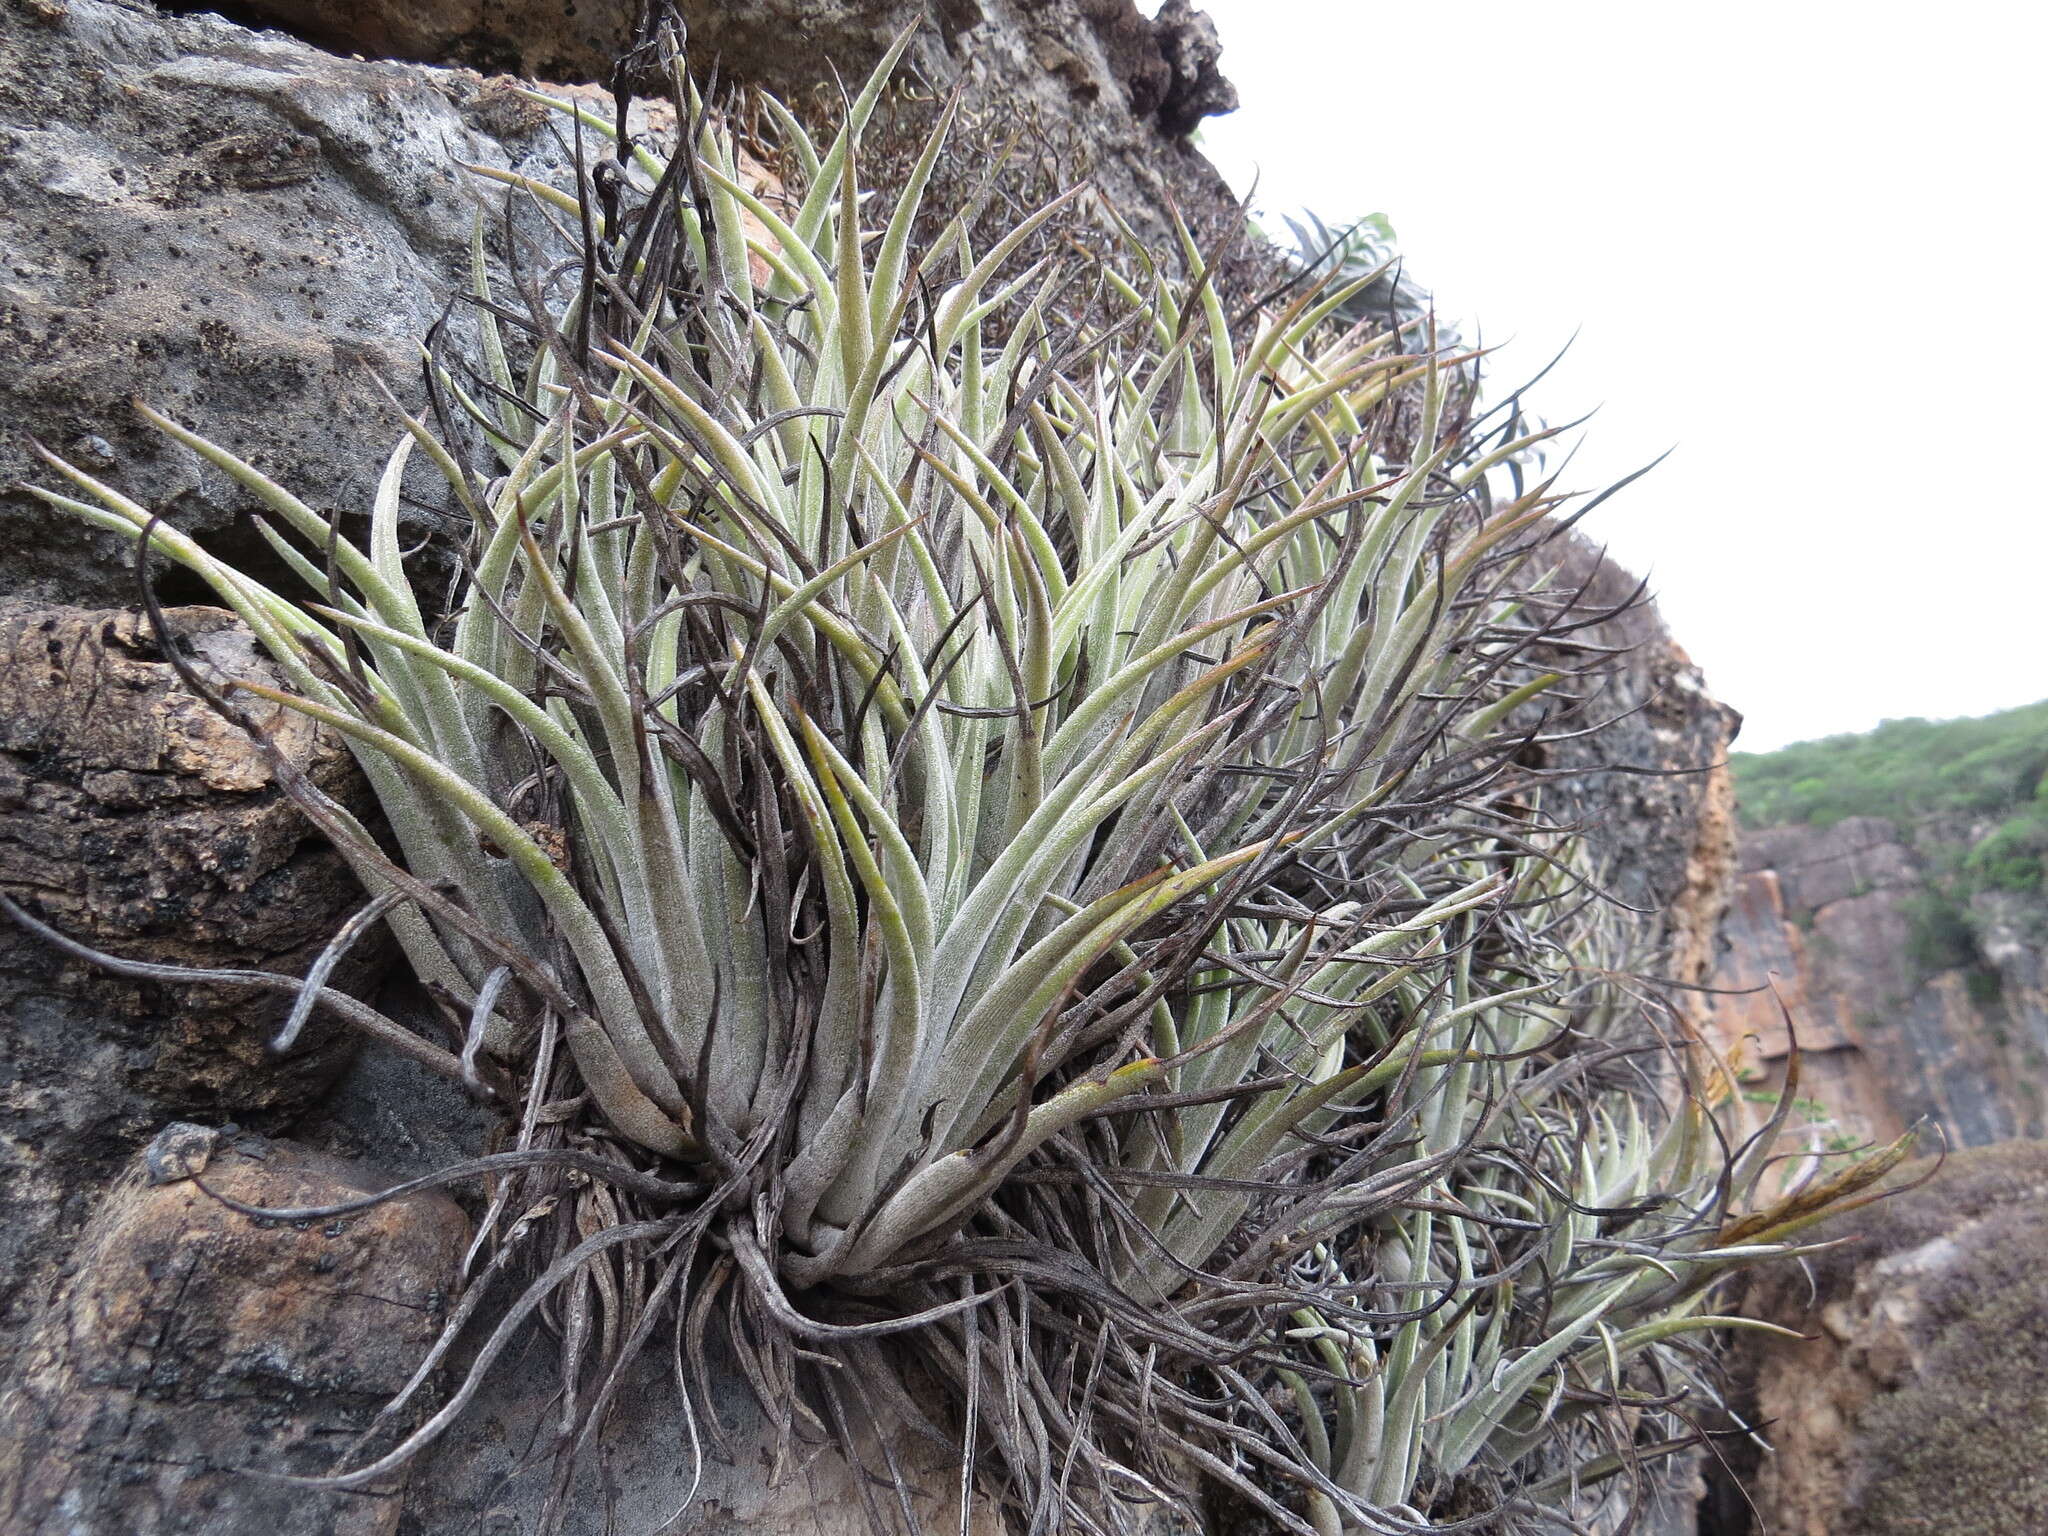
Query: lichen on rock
[1914,1404]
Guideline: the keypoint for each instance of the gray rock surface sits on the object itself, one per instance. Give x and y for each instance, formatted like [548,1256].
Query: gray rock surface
[240,230]
[1638,763]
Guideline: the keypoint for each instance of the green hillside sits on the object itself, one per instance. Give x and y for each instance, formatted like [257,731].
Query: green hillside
[1979,786]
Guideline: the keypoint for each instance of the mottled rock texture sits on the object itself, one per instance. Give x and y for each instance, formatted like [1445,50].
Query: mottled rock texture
[134,819]
[1158,72]
[243,230]
[1915,1404]
[194,1353]
[487,1476]
[1891,1028]
[1637,760]
[240,230]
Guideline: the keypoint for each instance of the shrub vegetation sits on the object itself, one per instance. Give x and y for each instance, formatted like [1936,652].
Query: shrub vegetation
[1971,795]
[1993,769]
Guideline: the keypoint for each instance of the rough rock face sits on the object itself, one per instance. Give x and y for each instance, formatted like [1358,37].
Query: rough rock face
[134,819]
[1890,1032]
[484,1476]
[192,1346]
[1764,950]
[243,230]
[1915,1403]
[238,229]
[1159,71]
[1651,787]
[541,40]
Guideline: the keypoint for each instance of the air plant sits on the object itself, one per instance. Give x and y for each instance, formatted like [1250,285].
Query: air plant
[986,843]
[1363,248]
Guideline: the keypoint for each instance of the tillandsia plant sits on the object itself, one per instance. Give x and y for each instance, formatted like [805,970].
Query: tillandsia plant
[1364,247]
[992,854]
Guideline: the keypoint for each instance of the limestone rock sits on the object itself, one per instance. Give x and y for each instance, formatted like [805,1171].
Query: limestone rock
[1195,87]
[242,229]
[1818,866]
[1166,66]
[136,820]
[1766,963]
[484,1476]
[1915,1404]
[196,1353]
[538,38]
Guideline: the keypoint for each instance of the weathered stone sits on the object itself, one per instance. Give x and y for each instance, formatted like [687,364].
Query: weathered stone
[1763,978]
[1915,1402]
[196,1353]
[181,1150]
[1638,762]
[1893,1032]
[484,1475]
[136,820]
[243,230]
[542,39]
[1195,87]
[1819,865]
[1166,67]
[238,229]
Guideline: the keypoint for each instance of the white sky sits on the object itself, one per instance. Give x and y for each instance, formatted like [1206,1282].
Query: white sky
[1803,242]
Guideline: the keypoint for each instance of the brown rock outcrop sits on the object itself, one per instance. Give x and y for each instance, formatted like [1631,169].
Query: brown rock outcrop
[1891,1029]
[195,1354]
[134,819]
[1914,1404]
[1765,963]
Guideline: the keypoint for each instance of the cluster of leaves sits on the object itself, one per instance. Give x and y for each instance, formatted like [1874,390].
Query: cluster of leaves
[983,856]
[1364,248]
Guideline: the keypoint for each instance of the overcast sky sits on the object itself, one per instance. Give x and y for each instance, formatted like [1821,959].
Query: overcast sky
[1801,243]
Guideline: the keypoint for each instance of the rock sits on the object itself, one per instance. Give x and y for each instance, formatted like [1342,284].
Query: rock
[484,1475]
[1765,963]
[1649,787]
[542,39]
[196,1353]
[1166,67]
[1915,1402]
[242,231]
[1195,87]
[1820,865]
[1894,1030]
[180,1151]
[136,820]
